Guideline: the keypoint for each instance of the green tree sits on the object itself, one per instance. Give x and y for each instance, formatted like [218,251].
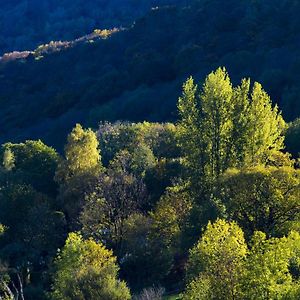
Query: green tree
[216,262]
[169,219]
[78,172]
[111,200]
[266,127]
[265,199]
[87,270]
[34,163]
[221,126]
[267,269]
[82,155]
[8,160]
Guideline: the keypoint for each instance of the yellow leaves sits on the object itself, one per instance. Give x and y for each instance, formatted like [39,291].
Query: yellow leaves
[2,229]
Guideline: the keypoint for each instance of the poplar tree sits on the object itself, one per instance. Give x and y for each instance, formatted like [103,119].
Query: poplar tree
[222,126]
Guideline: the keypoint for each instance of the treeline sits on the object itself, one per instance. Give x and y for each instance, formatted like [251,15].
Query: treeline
[208,207]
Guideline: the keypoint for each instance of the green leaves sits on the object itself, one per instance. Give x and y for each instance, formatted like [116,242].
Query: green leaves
[260,198]
[87,270]
[81,154]
[221,266]
[221,126]
[219,257]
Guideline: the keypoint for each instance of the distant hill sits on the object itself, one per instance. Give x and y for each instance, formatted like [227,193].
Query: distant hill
[24,24]
[137,73]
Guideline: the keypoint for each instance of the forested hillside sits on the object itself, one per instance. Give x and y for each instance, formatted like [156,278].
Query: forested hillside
[204,208]
[26,24]
[136,74]
[155,160]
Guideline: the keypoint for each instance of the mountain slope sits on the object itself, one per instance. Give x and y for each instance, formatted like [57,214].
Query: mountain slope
[137,73]
[26,24]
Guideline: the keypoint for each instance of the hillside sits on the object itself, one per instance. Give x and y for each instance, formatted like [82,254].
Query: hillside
[155,159]
[26,24]
[137,73]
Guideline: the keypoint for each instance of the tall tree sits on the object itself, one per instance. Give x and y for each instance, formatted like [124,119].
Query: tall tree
[221,126]
[77,172]
[266,127]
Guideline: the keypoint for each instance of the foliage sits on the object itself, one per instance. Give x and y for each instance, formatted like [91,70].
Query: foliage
[265,199]
[222,127]
[34,163]
[221,266]
[268,267]
[147,191]
[115,196]
[218,256]
[81,155]
[87,270]
[77,172]
[140,71]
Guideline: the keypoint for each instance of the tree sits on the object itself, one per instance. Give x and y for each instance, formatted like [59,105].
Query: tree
[116,195]
[34,163]
[170,217]
[264,199]
[216,261]
[267,269]
[77,172]
[8,160]
[222,267]
[167,235]
[266,127]
[221,126]
[87,270]
[82,155]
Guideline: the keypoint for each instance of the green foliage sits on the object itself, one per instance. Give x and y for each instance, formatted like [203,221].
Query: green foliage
[169,219]
[137,254]
[266,126]
[32,162]
[199,289]
[8,160]
[218,259]
[222,267]
[77,172]
[267,267]
[160,184]
[82,155]
[221,126]
[111,200]
[265,199]
[87,270]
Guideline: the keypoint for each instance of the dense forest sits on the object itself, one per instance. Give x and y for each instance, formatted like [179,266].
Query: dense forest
[151,152]
[203,208]
[25,24]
